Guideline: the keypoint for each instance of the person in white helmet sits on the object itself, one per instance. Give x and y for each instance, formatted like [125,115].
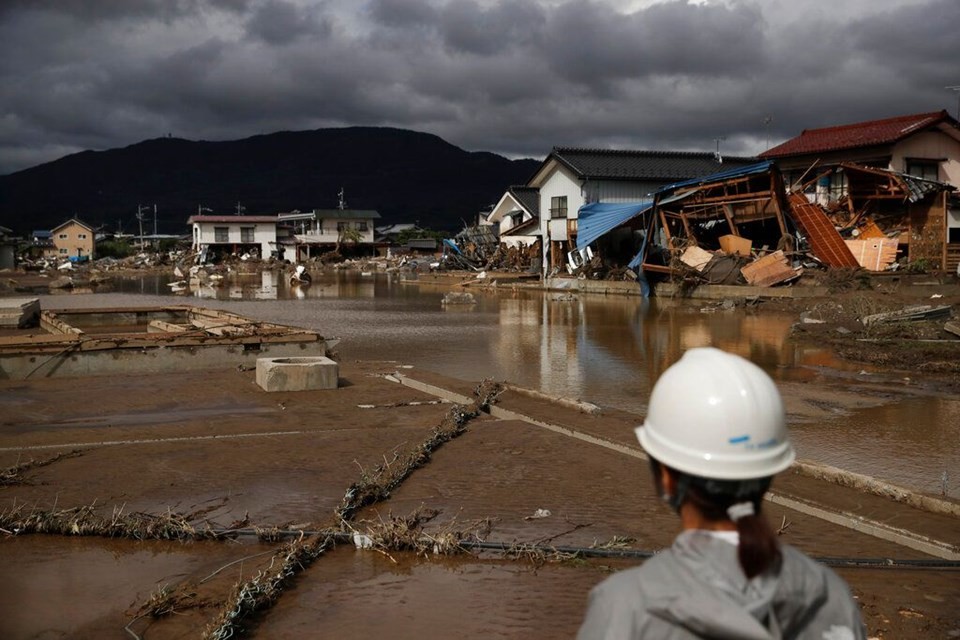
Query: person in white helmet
[716,435]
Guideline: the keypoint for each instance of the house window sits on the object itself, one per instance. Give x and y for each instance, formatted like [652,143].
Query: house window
[221,234]
[82,236]
[246,234]
[926,169]
[62,236]
[63,250]
[362,226]
[558,207]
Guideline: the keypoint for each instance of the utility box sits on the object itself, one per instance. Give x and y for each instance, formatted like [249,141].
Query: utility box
[297,374]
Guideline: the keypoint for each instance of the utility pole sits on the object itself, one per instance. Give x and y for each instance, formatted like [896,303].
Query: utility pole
[154,219]
[956,88]
[140,211]
[342,204]
[240,208]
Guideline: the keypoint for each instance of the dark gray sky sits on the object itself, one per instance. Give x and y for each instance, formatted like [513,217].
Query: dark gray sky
[511,76]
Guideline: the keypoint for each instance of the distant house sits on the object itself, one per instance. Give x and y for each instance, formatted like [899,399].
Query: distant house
[571,177]
[74,240]
[924,146]
[41,245]
[8,249]
[517,215]
[324,229]
[255,235]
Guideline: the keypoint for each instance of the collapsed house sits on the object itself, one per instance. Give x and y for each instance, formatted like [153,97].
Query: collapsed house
[747,226]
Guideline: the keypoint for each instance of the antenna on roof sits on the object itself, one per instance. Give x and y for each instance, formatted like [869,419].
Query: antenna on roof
[956,87]
[716,154]
[342,204]
[766,127]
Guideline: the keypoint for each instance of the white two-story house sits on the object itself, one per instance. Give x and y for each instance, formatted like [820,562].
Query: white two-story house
[325,229]
[572,177]
[256,235]
[517,216]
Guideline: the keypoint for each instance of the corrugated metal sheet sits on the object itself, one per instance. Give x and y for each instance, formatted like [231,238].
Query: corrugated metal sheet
[825,240]
[728,174]
[597,218]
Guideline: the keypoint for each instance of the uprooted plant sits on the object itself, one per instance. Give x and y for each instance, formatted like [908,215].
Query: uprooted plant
[15,474]
[86,521]
[261,591]
[406,533]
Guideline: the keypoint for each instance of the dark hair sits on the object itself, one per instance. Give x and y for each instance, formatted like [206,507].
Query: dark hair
[758,550]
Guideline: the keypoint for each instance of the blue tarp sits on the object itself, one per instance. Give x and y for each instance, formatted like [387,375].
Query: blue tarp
[759,167]
[597,218]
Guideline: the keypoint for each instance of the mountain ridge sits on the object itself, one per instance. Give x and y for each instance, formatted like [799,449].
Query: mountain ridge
[408,176]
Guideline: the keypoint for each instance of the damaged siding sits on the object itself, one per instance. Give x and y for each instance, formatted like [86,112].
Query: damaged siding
[928,231]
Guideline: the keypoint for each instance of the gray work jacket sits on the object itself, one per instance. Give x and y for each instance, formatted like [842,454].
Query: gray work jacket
[696,589]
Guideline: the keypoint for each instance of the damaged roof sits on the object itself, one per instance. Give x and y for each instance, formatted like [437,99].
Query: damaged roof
[861,134]
[625,164]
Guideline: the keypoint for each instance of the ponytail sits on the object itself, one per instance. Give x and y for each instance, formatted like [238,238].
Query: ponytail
[735,500]
[758,550]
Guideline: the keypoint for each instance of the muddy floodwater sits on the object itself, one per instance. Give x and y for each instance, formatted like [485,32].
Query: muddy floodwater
[154,455]
[607,350]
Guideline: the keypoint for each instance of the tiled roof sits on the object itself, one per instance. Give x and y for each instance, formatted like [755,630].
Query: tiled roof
[529,197]
[529,228]
[860,134]
[644,165]
[72,221]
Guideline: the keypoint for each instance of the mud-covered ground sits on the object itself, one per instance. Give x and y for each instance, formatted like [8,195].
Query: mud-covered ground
[214,449]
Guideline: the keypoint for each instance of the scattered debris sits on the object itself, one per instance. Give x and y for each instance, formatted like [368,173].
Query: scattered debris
[539,513]
[908,314]
[458,298]
[771,269]
[14,474]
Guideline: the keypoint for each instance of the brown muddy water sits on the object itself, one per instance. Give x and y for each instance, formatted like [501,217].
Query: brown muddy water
[607,350]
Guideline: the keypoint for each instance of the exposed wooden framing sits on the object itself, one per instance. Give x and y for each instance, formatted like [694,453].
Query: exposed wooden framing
[51,323]
[162,326]
[728,214]
[227,329]
[776,188]
[737,197]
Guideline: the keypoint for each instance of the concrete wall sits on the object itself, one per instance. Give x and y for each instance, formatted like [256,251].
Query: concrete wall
[157,360]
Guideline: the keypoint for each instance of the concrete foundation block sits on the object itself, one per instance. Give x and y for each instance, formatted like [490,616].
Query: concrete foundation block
[297,374]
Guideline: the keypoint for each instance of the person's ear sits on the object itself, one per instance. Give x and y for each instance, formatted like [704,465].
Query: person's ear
[668,482]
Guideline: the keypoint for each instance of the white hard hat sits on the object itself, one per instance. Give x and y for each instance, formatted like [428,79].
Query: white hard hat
[716,415]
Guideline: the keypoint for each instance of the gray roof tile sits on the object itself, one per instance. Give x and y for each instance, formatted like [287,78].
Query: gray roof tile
[623,164]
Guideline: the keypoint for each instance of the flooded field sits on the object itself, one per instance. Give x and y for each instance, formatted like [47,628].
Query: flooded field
[211,449]
[607,350]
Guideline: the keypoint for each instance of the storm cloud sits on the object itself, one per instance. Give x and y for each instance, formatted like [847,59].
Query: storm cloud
[510,76]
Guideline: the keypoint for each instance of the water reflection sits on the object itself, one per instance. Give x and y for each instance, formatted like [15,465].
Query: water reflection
[605,349]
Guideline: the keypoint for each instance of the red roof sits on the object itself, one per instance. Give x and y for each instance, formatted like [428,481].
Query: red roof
[861,134]
[193,219]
